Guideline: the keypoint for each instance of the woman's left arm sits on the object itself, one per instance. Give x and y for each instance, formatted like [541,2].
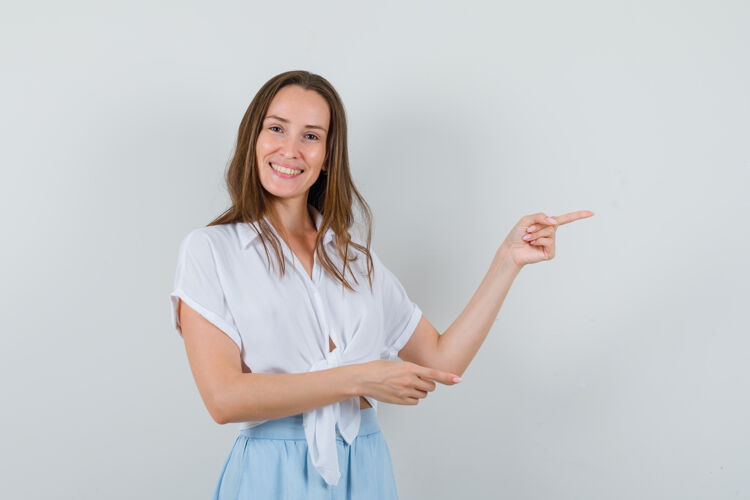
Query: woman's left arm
[531,240]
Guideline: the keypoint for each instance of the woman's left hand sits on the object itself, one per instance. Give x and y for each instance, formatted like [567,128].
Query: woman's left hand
[532,239]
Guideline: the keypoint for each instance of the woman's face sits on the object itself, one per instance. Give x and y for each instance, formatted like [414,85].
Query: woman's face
[293,136]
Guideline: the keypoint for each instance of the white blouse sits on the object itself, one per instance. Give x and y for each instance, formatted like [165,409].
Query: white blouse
[282,325]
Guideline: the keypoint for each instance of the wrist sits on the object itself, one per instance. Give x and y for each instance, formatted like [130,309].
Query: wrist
[503,261]
[353,379]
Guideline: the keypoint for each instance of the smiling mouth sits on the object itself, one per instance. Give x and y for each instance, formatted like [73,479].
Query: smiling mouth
[284,170]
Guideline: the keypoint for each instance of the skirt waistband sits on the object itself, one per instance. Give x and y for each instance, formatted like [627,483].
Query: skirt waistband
[291,427]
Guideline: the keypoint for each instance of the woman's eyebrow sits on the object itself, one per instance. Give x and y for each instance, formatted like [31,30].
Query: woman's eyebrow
[284,120]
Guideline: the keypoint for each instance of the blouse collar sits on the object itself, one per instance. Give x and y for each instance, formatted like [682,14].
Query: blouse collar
[248,236]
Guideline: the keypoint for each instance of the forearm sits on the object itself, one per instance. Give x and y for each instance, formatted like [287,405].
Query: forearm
[458,345]
[266,396]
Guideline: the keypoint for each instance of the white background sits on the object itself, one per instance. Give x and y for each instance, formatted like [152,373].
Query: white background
[616,370]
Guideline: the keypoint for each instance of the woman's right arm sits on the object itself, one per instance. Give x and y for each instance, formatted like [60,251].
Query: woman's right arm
[233,396]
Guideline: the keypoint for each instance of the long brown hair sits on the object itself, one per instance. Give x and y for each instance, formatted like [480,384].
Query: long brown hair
[332,193]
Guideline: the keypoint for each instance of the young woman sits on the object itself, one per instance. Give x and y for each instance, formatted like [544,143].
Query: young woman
[299,343]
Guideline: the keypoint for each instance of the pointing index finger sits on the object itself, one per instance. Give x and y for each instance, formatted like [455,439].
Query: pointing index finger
[439,376]
[573,216]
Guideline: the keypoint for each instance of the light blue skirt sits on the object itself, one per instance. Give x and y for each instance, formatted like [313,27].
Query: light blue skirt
[270,461]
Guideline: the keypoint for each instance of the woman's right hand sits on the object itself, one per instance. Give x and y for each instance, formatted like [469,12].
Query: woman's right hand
[399,382]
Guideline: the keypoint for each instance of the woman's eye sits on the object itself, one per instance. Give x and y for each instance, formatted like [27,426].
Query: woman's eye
[276,128]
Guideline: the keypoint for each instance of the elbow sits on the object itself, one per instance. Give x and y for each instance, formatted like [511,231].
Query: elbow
[447,364]
[218,409]
[455,370]
[218,417]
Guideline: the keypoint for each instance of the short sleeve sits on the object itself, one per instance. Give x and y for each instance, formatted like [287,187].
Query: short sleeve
[400,314]
[197,283]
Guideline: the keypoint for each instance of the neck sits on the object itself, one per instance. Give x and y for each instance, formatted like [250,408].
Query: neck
[292,217]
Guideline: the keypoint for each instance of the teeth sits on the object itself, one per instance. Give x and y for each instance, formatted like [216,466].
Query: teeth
[285,170]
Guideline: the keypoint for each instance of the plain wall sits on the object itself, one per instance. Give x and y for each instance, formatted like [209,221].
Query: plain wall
[616,370]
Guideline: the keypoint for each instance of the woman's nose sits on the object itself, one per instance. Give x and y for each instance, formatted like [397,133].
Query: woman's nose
[288,146]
